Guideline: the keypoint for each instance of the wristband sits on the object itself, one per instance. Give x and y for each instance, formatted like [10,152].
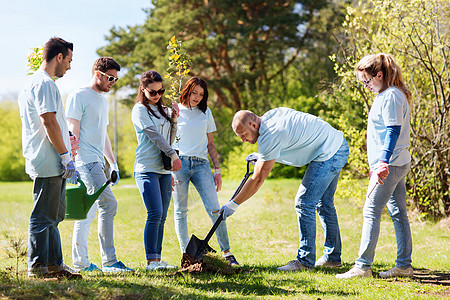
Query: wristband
[233,205]
[115,167]
[65,156]
[217,171]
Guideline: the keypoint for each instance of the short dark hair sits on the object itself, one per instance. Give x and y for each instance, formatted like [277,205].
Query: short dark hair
[54,46]
[104,64]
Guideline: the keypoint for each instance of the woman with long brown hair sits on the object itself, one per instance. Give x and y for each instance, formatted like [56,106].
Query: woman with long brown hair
[154,124]
[195,130]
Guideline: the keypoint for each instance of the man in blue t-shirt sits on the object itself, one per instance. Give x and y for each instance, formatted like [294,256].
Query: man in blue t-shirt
[46,146]
[295,138]
[87,115]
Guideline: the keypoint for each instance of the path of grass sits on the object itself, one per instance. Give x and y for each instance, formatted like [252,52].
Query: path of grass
[263,234]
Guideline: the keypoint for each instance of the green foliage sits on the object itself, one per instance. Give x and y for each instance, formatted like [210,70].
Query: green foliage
[417,34]
[12,163]
[35,59]
[126,142]
[179,64]
[235,48]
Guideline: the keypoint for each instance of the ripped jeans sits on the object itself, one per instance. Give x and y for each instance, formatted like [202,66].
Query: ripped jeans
[197,171]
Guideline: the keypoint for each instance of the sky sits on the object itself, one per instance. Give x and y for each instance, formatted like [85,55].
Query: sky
[25,24]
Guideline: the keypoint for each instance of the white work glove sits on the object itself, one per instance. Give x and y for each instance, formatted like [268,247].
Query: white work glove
[252,158]
[228,209]
[114,167]
[74,178]
[67,165]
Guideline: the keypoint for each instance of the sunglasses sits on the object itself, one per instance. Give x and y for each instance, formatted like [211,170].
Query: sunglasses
[110,78]
[153,93]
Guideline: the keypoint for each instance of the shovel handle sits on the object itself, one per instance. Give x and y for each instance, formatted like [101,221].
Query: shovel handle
[220,218]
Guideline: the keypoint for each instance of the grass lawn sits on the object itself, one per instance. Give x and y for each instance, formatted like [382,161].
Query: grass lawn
[263,235]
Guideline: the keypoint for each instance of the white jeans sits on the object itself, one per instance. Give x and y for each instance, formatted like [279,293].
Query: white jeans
[92,174]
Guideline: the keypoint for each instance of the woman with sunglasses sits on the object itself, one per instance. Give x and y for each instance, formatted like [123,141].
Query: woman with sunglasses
[389,160]
[195,130]
[155,127]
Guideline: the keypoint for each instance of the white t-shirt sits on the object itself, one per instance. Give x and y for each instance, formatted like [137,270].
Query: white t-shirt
[40,96]
[91,109]
[295,138]
[390,108]
[193,125]
[148,154]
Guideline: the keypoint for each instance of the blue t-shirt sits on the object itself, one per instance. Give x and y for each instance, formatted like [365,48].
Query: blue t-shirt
[148,155]
[295,138]
[193,125]
[91,109]
[390,108]
[41,96]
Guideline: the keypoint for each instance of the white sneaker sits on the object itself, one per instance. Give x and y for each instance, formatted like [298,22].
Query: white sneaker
[397,272]
[294,265]
[154,265]
[321,262]
[355,272]
[165,265]
[159,265]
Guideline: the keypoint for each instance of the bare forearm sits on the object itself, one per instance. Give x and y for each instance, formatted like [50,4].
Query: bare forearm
[53,132]
[248,190]
[212,151]
[108,152]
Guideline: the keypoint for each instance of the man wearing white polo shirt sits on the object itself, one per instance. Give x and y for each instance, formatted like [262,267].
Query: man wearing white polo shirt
[87,115]
[295,138]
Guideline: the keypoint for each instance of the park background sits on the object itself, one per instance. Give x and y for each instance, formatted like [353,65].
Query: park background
[254,55]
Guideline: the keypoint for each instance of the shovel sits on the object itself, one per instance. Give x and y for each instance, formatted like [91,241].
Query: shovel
[196,247]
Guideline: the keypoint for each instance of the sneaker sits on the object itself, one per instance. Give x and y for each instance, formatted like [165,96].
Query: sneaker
[117,267]
[165,265]
[294,265]
[397,272]
[67,268]
[92,267]
[231,260]
[64,274]
[153,265]
[159,265]
[355,272]
[321,262]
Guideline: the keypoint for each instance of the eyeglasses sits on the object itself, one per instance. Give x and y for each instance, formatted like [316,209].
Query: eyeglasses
[110,78]
[366,82]
[153,93]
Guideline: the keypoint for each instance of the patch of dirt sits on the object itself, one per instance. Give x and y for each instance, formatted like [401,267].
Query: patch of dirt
[209,263]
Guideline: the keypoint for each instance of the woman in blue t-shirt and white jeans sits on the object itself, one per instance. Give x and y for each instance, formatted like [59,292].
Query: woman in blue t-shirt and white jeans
[389,160]
[195,141]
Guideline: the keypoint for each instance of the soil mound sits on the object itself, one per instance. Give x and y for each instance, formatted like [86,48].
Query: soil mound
[209,263]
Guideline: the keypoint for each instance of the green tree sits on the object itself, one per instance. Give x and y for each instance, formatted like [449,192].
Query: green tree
[12,163]
[417,34]
[237,47]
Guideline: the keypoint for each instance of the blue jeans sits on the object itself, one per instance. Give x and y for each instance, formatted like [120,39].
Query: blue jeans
[44,242]
[316,192]
[197,171]
[393,195]
[156,190]
[93,175]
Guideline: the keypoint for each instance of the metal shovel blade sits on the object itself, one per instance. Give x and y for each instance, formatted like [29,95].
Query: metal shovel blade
[197,248]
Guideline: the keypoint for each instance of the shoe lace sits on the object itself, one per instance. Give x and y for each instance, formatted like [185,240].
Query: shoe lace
[293,262]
